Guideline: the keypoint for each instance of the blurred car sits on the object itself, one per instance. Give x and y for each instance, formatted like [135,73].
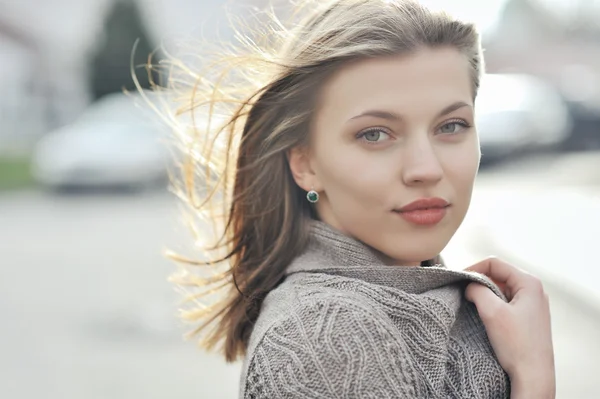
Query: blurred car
[116,143]
[586,131]
[580,85]
[516,112]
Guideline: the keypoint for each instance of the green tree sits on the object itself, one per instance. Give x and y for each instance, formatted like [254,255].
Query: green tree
[111,66]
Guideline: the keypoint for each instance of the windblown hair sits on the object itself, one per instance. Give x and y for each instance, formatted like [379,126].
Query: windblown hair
[255,103]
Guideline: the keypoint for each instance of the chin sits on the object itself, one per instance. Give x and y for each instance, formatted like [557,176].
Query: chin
[405,247]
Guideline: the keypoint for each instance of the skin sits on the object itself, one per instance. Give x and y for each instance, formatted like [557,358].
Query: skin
[365,166]
[429,148]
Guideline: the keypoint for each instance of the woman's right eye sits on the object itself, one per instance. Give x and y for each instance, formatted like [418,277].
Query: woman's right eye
[373,136]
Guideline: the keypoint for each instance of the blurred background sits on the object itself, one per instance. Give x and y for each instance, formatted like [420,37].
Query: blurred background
[85,307]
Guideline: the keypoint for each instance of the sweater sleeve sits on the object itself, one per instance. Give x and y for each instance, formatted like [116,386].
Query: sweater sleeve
[331,349]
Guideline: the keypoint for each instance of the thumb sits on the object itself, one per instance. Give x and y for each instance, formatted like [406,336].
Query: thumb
[484,299]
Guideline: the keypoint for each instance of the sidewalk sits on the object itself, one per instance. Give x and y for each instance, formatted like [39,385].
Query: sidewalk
[554,233]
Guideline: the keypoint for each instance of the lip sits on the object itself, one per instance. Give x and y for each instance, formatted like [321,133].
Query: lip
[424,203]
[424,211]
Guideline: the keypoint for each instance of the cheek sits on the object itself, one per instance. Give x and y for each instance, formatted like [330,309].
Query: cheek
[362,174]
[461,165]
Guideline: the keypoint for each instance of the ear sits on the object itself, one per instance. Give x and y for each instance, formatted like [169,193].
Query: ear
[299,159]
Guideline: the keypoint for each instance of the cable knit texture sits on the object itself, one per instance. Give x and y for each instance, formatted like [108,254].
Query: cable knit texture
[345,325]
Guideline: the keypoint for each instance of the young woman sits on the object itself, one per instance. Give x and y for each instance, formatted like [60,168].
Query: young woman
[346,166]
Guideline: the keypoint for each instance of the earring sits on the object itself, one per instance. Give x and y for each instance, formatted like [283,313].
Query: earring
[312,196]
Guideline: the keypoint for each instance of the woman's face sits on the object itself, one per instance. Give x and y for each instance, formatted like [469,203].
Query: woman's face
[388,132]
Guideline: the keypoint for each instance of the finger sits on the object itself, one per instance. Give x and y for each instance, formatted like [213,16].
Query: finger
[484,299]
[502,287]
[502,273]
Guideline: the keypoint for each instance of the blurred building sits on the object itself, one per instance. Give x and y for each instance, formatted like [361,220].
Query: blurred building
[22,106]
[559,41]
[59,56]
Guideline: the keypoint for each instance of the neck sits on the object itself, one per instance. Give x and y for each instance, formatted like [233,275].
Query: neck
[396,262]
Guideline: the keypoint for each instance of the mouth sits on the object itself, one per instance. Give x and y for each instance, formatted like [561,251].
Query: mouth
[425,211]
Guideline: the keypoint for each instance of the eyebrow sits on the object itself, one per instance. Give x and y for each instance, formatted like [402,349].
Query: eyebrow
[391,116]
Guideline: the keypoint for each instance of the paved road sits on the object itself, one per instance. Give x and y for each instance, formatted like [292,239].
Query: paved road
[87,313]
[85,307]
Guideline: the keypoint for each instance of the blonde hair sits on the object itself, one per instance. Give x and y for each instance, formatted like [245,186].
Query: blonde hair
[263,91]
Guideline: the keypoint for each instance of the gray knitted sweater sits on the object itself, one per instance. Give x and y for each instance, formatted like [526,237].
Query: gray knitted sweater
[344,325]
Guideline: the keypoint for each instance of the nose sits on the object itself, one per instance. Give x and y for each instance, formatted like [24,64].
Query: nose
[421,164]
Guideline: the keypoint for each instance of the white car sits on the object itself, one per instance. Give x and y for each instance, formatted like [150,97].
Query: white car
[115,143]
[519,112]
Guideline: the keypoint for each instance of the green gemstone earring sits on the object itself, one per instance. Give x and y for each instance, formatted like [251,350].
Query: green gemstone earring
[312,196]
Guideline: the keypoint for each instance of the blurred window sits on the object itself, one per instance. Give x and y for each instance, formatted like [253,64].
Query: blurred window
[578,17]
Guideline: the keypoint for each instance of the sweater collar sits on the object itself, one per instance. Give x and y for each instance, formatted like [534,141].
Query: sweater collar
[331,252]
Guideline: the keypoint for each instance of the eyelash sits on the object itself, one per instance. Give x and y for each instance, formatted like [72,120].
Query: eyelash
[362,134]
[460,122]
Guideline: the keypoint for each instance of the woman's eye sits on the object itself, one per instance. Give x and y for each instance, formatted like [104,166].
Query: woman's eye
[374,136]
[453,127]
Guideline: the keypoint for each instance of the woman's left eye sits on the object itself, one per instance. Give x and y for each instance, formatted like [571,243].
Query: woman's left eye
[453,127]
[373,136]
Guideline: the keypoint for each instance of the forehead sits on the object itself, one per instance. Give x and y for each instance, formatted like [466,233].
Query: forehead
[427,78]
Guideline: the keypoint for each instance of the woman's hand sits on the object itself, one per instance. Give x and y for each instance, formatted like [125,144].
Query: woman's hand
[520,330]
